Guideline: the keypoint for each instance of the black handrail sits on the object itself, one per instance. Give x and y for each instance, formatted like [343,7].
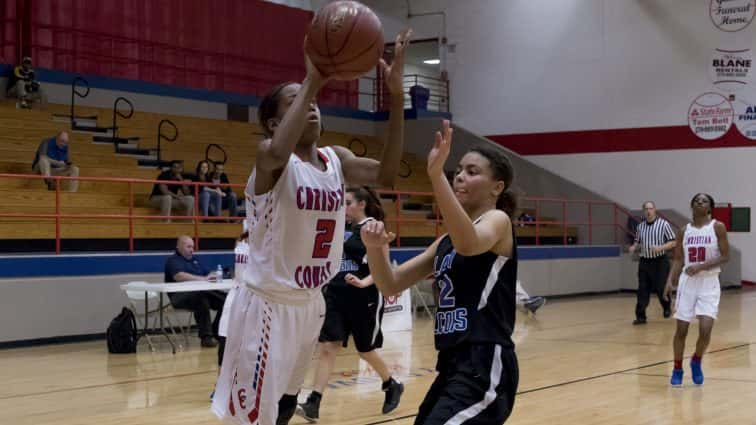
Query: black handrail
[161,136]
[117,113]
[75,93]
[220,148]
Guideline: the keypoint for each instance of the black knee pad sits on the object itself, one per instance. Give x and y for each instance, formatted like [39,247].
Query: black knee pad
[287,405]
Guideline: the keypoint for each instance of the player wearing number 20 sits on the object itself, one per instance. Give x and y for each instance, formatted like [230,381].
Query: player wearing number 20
[295,208]
[701,249]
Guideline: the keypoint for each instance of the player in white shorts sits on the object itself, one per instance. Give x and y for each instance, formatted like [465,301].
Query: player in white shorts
[295,208]
[701,249]
[241,259]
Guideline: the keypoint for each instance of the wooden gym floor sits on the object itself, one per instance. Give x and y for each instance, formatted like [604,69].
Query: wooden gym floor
[581,362]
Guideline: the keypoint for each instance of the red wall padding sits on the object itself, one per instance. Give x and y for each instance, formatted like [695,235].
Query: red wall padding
[239,46]
[723,213]
[9,36]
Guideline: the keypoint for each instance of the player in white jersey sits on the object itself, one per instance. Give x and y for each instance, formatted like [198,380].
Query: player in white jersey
[701,249]
[295,208]
[241,260]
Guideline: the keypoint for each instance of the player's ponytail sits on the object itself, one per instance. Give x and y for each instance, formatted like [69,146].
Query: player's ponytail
[373,207]
[507,202]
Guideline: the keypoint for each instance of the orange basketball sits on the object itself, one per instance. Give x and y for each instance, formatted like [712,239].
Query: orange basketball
[345,40]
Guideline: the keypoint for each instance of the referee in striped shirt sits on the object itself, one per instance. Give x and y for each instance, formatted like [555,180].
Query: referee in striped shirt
[654,237]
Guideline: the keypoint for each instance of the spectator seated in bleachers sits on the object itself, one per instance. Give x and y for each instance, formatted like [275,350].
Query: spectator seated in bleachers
[23,86]
[52,159]
[183,266]
[167,196]
[525,219]
[230,202]
[210,198]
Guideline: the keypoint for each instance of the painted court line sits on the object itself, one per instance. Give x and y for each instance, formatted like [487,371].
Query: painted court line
[588,341]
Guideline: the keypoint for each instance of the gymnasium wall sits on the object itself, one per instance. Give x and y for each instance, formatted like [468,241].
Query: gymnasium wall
[563,65]
[599,92]
[46,307]
[670,178]
[75,295]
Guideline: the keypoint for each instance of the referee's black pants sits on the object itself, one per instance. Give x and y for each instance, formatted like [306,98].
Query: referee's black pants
[652,277]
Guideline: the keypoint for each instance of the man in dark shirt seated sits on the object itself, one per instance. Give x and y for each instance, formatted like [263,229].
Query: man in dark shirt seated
[230,201]
[168,196]
[182,266]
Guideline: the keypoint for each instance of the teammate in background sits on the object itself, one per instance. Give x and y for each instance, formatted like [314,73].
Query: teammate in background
[353,306]
[475,270]
[295,208]
[241,258]
[701,249]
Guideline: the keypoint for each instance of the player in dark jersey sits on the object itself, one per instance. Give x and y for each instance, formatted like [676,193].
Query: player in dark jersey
[353,307]
[475,270]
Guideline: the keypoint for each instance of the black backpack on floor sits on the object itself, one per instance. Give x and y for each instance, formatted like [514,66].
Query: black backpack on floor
[122,333]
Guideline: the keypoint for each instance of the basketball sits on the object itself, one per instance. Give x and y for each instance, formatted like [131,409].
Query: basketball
[345,40]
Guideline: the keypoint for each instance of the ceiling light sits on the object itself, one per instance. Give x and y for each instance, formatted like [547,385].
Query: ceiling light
[432,61]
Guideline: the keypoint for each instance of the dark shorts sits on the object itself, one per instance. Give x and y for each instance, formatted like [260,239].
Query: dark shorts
[356,312]
[476,384]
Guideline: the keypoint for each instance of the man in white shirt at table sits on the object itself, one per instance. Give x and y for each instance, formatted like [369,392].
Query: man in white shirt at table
[182,266]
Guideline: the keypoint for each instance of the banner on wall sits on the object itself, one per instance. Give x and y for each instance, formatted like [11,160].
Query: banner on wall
[732,15]
[730,70]
[397,312]
[745,118]
[710,116]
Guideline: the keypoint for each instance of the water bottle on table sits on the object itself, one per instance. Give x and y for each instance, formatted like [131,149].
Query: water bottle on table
[219,274]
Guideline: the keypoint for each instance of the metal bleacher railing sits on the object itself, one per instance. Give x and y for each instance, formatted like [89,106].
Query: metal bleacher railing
[597,222]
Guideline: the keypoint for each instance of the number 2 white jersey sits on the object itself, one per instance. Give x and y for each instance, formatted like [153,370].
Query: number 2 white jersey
[701,245]
[296,230]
